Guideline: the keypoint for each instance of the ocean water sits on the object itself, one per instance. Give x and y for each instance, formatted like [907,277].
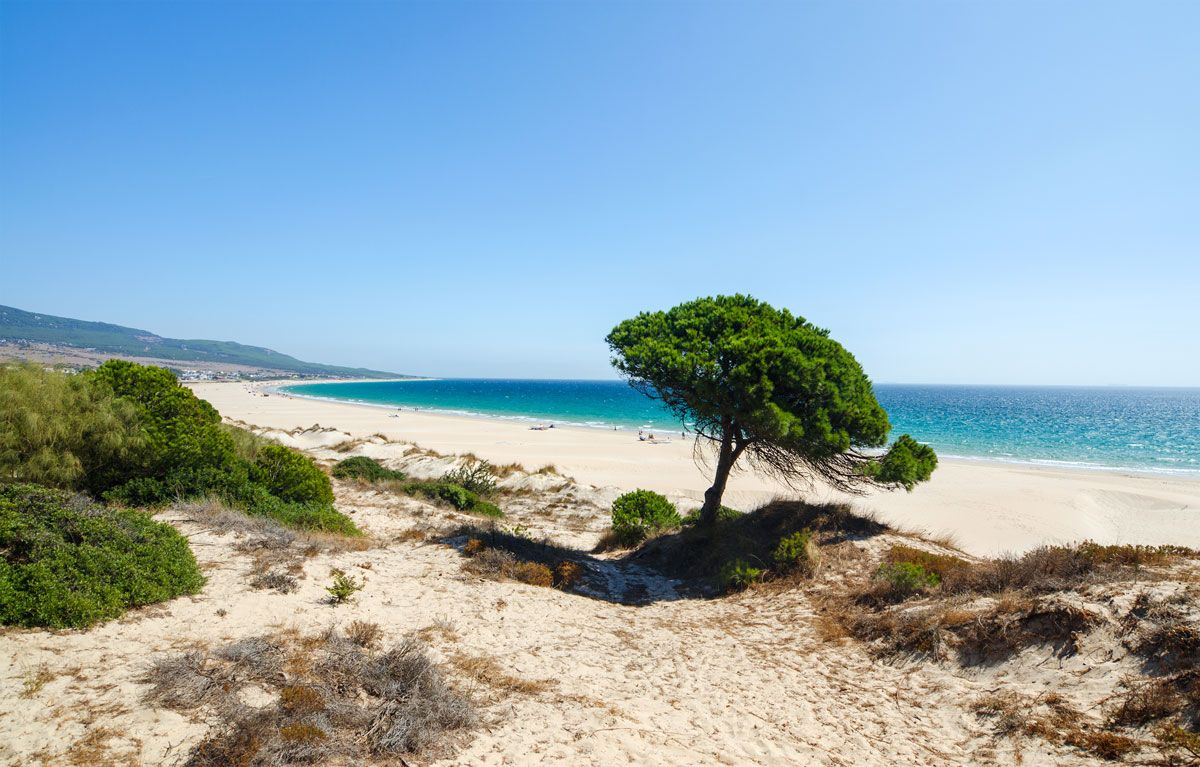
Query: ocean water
[1150,430]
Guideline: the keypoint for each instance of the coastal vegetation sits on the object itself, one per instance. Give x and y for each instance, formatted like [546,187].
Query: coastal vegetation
[131,434]
[69,563]
[639,514]
[466,488]
[756,381]
[364,468]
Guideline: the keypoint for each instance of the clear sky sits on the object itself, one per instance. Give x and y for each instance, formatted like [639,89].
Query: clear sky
[971,192]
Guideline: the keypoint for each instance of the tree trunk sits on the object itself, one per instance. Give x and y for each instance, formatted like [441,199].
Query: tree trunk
[712,496]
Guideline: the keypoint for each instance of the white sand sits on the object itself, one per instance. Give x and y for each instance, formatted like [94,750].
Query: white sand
[745,680]
[988,508]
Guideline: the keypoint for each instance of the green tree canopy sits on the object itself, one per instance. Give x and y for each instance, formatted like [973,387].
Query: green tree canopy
[757,381]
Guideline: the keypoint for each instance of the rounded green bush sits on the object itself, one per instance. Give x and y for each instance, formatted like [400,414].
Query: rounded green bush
[67,563]
[362,467]
[291,476]
[640,512]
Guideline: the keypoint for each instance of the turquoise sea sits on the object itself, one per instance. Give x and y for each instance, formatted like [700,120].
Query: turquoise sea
[1152,430]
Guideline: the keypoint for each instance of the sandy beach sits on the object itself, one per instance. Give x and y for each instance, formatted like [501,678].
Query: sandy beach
[627,667]
[987,508]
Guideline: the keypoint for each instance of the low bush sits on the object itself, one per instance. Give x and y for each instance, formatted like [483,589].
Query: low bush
[457,496]
[486,509]
[291,476]
[638,514]
[566,574]
[66,563]
[257,501]
[739,574]
[477,476]
[906,579]
[532,573]
[364,633]
[796,553]
[361,467]
[344,587]
[512,555]
[724,514]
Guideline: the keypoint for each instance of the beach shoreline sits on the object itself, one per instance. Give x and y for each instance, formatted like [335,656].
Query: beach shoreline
[988,507]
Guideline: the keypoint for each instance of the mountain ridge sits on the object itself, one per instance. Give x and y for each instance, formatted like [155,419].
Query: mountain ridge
[18,325]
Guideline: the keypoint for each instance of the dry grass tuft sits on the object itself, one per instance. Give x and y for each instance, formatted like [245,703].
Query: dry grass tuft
[33,681]
[337,701]
[532,573]
[487,671]
[1050,718]
[499,555]
[276,581]
[364,633]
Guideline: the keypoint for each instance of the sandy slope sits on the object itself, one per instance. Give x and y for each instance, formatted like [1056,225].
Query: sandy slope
[988,507]
[744,680]
[740,681]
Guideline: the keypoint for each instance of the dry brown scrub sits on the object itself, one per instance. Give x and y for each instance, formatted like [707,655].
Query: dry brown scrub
[332,697]
[986,612]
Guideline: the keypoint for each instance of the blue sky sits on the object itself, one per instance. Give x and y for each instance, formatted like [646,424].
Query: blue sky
[962,192]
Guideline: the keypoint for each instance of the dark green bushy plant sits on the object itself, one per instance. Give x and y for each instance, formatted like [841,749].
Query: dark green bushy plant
[724,514]
[487,509]
[796,552]
[362,467]
[476,476]
[66,563]
[186,450]
[291,476]
[738,574]
[455,495]
[637,514]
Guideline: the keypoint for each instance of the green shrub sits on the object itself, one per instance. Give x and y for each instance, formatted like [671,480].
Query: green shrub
[738,574]
[257,501]
[362,467]
[454,495]
[796,552]
[344,586]
[67,563]
[186,452]
[724,514]
[246,443]
[487,509]
[476,476]
[291,476]
[904,579]
[637,514]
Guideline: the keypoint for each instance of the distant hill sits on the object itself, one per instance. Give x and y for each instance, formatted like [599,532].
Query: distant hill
[17,325]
